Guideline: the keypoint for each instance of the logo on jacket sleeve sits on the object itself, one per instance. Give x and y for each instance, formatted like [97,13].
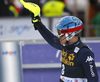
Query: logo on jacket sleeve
[89,59]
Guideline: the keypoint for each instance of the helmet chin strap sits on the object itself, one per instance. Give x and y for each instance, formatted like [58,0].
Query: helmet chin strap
[69,36]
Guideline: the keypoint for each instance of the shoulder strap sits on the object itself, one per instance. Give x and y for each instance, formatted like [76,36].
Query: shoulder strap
[78,47]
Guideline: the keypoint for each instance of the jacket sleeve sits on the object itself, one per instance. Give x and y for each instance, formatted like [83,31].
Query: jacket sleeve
[86,57]
[50,38]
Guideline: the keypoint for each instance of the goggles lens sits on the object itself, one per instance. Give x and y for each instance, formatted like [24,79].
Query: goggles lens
[59,32]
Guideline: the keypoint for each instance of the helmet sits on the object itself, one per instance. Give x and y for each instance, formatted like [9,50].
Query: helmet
[70,26]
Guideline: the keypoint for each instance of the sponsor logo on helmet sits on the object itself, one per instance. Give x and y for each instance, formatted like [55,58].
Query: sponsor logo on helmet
[76,20]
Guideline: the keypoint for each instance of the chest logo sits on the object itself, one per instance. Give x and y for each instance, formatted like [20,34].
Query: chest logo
[67,59]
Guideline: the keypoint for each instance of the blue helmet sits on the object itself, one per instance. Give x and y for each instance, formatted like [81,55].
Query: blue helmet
[69,24]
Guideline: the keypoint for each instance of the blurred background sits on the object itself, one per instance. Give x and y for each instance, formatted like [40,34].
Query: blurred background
[40,61]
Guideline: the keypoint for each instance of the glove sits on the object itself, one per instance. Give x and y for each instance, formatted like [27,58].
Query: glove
[35,19]
[35,11]
[37,22]
[32,7]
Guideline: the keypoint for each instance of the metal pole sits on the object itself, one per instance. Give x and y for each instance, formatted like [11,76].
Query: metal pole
[10,62]
[75,8]
[86,22]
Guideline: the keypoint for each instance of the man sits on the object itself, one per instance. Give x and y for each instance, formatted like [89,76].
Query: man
[77,59]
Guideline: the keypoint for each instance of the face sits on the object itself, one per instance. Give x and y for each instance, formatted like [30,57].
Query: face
[62,39]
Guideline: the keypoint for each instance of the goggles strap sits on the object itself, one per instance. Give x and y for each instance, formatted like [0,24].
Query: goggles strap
[71,30]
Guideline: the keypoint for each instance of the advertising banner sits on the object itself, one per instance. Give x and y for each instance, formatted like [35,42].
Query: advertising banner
[19,28]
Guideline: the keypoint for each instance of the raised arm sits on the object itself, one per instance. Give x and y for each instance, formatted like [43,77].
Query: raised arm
[38,25]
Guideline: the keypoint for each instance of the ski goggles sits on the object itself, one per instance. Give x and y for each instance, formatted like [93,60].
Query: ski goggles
[63,31]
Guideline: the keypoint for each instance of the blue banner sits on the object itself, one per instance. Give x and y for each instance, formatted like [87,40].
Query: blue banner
[44,53]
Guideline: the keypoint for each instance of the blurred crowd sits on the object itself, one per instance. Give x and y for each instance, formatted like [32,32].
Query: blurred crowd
[14,8]
[94,17]
[55,8]
[48,8]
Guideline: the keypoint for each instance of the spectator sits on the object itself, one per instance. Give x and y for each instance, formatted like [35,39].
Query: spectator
[4,11]
[93,10]
[14,8]
[54,8]
[96,23]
